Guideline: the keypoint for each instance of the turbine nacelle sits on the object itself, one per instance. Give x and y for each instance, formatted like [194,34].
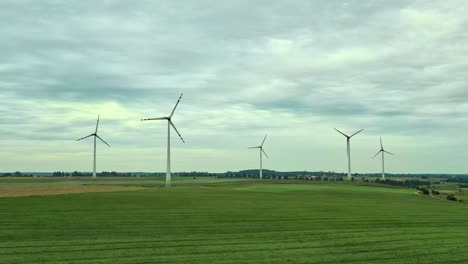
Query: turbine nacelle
[169,119]
[382,150]
[95,135]
[347,136]
[348,149]
[261,154]
[169,125]
[261,146]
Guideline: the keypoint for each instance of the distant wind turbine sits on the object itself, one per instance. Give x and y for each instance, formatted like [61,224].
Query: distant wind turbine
[383,151]
[348,149]
[261,155]
[169,124]
[95,135]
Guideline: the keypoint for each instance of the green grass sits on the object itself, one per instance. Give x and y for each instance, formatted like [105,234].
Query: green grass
[321,186]
[451,188]
[261,223]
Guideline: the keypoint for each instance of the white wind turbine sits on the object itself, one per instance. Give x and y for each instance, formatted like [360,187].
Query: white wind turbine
[383,151]
[261,155]
[169,124]
[348,149]
[95,135]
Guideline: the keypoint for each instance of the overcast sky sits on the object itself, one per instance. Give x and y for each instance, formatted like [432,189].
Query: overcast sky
[289,69]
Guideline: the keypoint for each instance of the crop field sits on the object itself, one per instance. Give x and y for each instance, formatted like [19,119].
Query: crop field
[230,222]
[452,188]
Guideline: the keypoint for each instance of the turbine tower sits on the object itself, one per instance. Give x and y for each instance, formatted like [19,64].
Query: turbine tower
[383,151]
[169,124]
[348,149]
[261,155]
[95,135]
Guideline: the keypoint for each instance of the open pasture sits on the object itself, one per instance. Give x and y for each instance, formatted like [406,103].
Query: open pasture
[235,223]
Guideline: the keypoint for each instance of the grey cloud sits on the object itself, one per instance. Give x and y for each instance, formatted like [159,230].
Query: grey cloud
[395,67]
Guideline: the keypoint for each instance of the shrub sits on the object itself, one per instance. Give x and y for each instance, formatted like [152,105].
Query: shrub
[451,197]
[424,191]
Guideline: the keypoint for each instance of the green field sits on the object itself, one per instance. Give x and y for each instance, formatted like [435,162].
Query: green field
[234,223]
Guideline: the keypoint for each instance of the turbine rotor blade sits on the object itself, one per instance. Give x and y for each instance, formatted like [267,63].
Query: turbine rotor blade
[377,154]
[356,133]
[388,152]
[173,110]
[264,153]
[173,126]
[85,137]
[97,125]
[157,118]
[381,145]
[263,140]
[254,147]
[342,133]
[102,140]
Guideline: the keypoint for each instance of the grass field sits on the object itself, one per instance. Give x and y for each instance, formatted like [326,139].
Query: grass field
[233,223]
[447,188]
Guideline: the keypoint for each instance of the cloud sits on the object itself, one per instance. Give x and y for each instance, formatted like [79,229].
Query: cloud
[290,69]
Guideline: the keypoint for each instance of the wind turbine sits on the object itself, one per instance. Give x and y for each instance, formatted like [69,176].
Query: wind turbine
[348,149]
[383,151]
[169,124]
[261,155]
[95,135]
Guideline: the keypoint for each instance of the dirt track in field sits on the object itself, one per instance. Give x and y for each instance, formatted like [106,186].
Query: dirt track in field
[29,190]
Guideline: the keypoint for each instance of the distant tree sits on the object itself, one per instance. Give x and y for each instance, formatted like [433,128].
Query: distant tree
[424,191]
[451,197]
[76,174]
[17,174]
